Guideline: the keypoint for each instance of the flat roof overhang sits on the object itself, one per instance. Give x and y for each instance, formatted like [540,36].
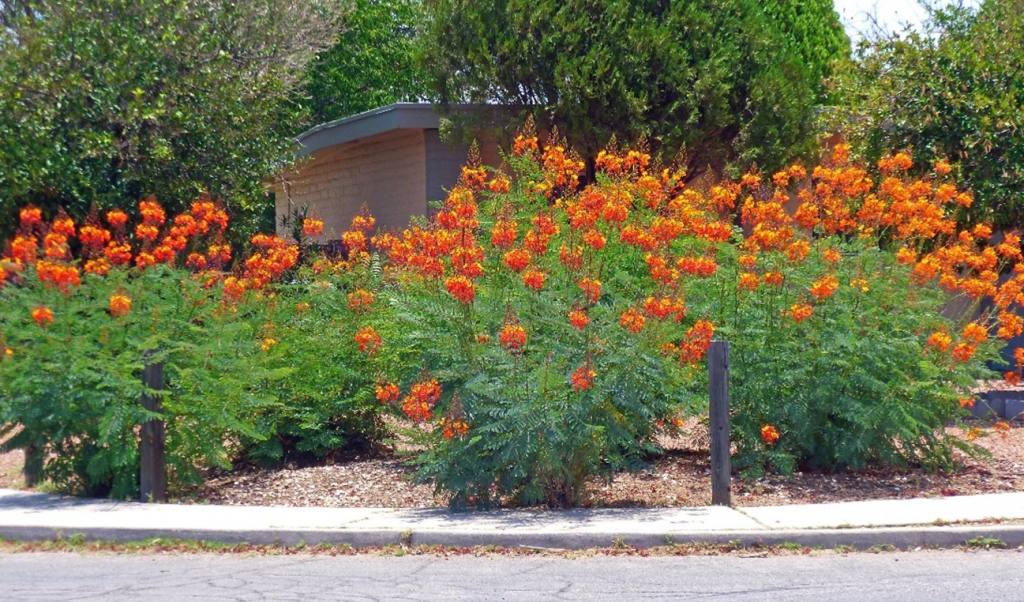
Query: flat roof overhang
[397,116]
[402,115]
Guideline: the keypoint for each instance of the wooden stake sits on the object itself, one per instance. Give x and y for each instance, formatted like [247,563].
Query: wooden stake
[152,460]
[718,385]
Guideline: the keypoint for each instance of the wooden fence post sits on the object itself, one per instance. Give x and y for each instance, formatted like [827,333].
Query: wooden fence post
[152,462]
[718,385]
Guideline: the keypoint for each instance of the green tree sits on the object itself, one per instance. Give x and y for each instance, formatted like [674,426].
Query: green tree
[372,64]
[104,101]
[953,90]
[729,81]
[814,30]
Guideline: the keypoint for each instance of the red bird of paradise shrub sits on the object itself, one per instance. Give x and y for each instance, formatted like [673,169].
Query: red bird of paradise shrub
[830,282]
[91,302]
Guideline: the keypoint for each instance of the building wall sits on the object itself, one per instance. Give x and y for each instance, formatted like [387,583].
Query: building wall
[387,173]
[444,163]
[394,174]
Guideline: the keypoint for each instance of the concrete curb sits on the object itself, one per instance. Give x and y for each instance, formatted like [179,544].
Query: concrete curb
[937,522]
[859,538]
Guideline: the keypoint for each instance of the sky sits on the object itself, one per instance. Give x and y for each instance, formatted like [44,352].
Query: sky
[890,14]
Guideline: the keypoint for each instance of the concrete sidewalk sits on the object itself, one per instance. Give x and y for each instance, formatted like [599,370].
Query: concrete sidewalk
[925,521]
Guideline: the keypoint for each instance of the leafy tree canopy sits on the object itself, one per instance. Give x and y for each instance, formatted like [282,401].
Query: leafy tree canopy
[730,81]
[954,90]
[372,64]
[104,101]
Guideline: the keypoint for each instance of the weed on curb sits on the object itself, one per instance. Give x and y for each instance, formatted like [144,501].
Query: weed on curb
[77,543]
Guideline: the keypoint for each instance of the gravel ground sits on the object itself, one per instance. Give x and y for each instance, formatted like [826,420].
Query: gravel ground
[678,478]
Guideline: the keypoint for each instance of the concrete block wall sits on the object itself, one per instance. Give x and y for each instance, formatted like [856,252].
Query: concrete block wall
[387,173]
[395,174]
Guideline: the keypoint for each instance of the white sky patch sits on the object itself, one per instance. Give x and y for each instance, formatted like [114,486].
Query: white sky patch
[860,16]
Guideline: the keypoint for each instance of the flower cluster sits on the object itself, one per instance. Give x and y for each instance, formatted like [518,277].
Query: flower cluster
[419,402]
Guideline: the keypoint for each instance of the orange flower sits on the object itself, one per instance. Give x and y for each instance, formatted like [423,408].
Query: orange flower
[387,392]
[898,162]
[824,287]
[354,241]
[571,258]
[98,266]
[748,282]
[594,239]
[797,250]
[632,320]
[503,235]
[64,226]
[769,434]
[939,341]
[120,305]
[30,216]
[312,227]
[360,300]
[513,336]
[93,237]
[23,249]
[906,256]
[152,213]
[454,428]
[517,259]
[664,307]
[832,255]
[499,185]
[1002,427]
[697,341]
[145,260]
[147,232]
[234,288]
[421,399]
[196,261]
[579,319]
[964,352]
[774,278]
[975,333]
[363,222]
[461,288]
[1012,377]
[42,315]
[534,279]
[583,378]
[368,339]
[966,402]
[800,312]
[267,344]
[591,287]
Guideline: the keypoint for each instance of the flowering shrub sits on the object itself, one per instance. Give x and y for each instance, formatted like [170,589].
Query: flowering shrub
[852,308]
[539,331]
[324,331]
[543,341]
[85,306]
[560,326]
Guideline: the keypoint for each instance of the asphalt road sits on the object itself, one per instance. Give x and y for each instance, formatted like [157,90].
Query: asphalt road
[906,577]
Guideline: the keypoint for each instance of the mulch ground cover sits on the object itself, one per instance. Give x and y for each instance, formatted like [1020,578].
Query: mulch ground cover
[680,477]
